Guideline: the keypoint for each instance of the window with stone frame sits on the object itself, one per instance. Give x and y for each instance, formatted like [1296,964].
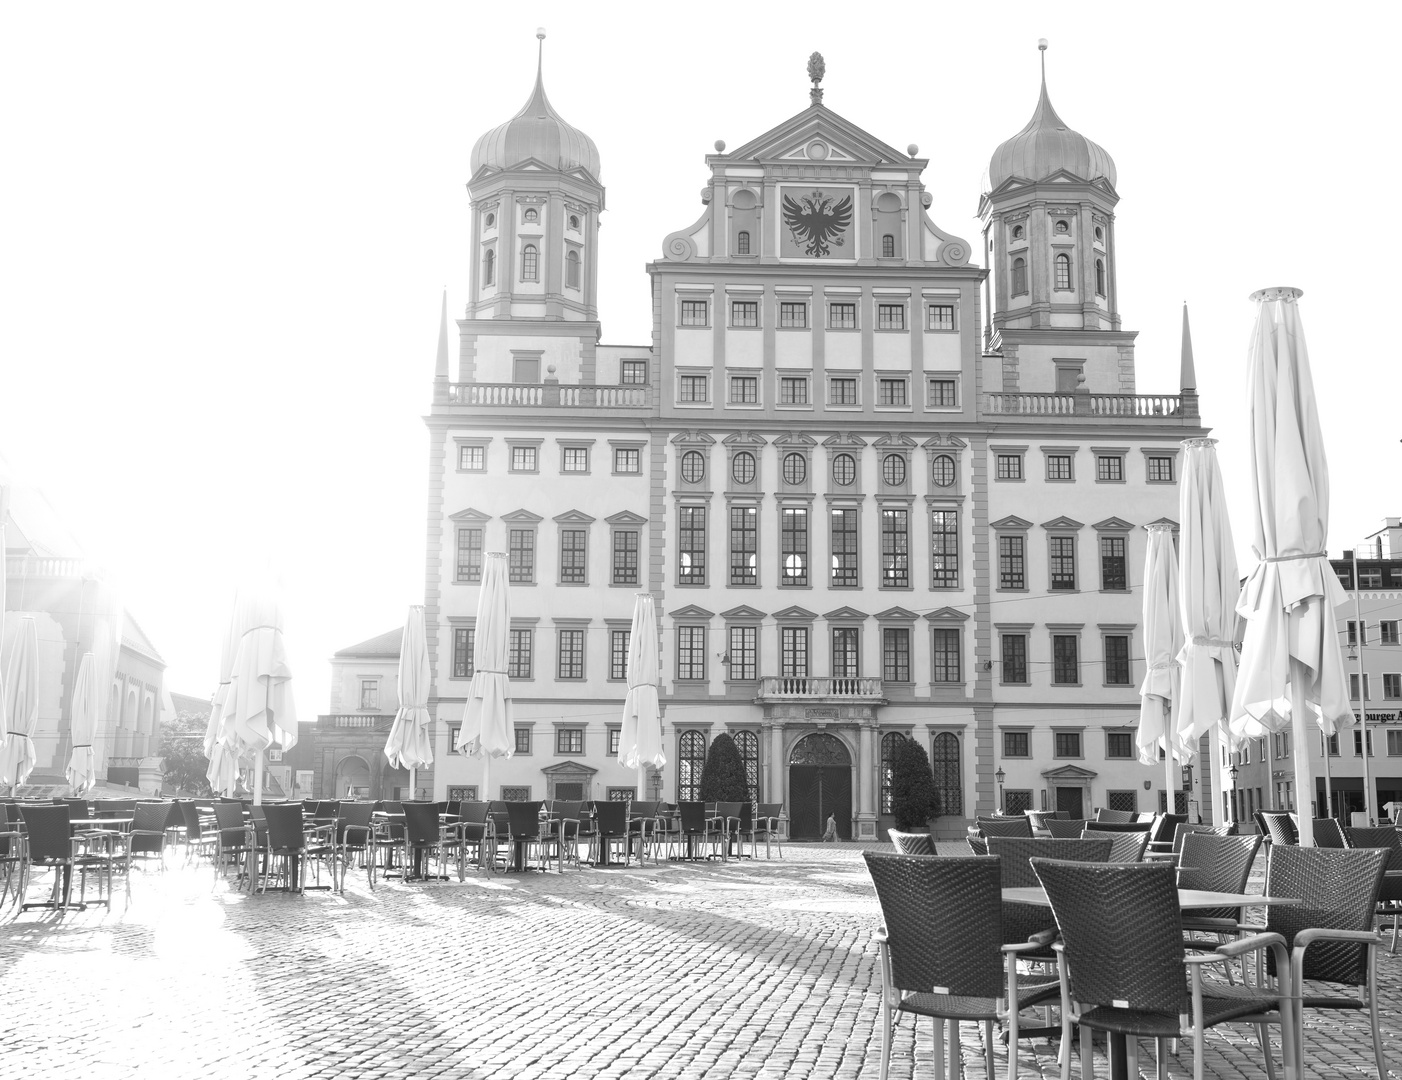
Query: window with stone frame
[464,646]
[1119,744]
[570,654]
[1113,573]
[691,757]
[691,545]
[744,389]
[1017,744]
[632,372]
[793,545]
[469,554]
[793,315]
[844,535]
[949,783]
[569,740]
[695,313]
[625,556]
[744,545]
[1014,658]
[890,316]
[793,652]
[793,390]
[747,742]
[944,549]
[846,652]
[946,661]
[1062,563]
[574,556]
[842,316]
[472,458]
[519,656]
[890,747]
[691,653]
[842,390]
[521,556]
[744,313]
[895,654]
[1066,661]
[940,317]
[1009,467]
[895,549]
[743,653]
[618,654]
[1159,470]
[522,735]
[1016,801]
[891,392]
[1117,671]
[627,460]
[1066,744]
[1012,562]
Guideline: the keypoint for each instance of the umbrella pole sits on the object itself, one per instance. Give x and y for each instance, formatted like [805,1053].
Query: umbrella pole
[413,784]
[1219,799]
[258,779]
[1304,781]
[486,777]
[1328,781]
[642,782]
[1170,799]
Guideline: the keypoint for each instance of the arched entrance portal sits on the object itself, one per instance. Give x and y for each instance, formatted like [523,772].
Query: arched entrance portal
[352,779]
[820,786]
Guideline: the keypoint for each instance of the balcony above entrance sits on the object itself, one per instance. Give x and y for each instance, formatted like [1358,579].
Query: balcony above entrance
[812,689]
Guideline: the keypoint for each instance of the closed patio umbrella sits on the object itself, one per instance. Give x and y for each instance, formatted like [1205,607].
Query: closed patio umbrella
[223,768]
[640,739]
[260,709]
[1163,638]
[4,706]
[1208,587]
[82,762]
[17,758]
[486,727]
[1292,671]
[408,745]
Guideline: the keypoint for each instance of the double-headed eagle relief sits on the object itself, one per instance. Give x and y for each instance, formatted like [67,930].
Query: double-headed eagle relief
[818,221]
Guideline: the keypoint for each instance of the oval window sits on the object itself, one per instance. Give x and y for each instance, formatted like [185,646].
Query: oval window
[1099,233]
[693,466]
[491,221]
[795,469]
[844,469]
[1063,227]
[1017,232]
[574,222]
[531,216]
[942,470]
[893,469]
[743,467]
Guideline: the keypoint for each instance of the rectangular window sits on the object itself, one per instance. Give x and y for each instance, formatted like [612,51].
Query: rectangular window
[844,547]
[627,460]
[941,317]
[1394,744]
[895,655]
[692,388]
[1117,659]
[846,652]
[1392,685]
[526,369]
[1387,632]
[1119,744]
[1068,743]
[1109,467]
[793,315]
[944,549]
[1358,743]
[744,545]
[793,390]
[1063,562]
[1160,470]
[691,653]
[1058,466]
[521,548]
[793,545]
[1353,633]
[523,740]
[1370,577]
[618,653]
[946,666]
[369,695]
[515,794]
[518,663]
[573,556]
[615,737]
[890,392]
[1112,564]
[691,545]
[744,313]
[464,647]
[632,372]
[569,740]
[895,549]
[523,459]
[1016,801]
[571,655]
[1012,563]
[890,316]
[793,652]
[469,555]
[694,312]
[1014,658]
[842,391]
[625,557]
[1009,467]
[1017,744]
[744,389]
[574,459]
[1353,687]
[842,316]
[1128,801]
[472,458]
[942,394]
[1066,664]
[744,653]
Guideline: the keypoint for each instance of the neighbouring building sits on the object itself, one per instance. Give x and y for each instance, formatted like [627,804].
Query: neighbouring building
[879,491]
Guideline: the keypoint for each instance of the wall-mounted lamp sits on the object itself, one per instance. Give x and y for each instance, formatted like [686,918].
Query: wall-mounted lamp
[988,665]
[724,658]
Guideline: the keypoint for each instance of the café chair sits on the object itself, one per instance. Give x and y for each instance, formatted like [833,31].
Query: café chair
[425,840]
[610,827]
[49,843]
[353,838]
[766,826]
[1066,828]
[728,817]
[1277,826]
[979,845]
[567,822]
[144,843]
[912,843]
[1005,826]
[232,849]
[1102,814]
[1390,894]
[1215,863]
[1328,833]
[696,827]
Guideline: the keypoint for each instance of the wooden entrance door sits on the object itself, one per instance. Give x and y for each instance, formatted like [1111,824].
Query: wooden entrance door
[1069,800]
[820,786]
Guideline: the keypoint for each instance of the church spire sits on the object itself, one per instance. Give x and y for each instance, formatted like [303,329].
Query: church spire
[1187,375]
[440,369]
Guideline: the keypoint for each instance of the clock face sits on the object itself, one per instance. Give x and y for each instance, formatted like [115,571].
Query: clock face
[817,222]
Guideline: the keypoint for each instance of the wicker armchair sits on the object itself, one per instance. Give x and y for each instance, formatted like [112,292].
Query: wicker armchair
[912,843]
[1390,894]
[1328,833]
[232,849]
[1122,965]
[1005,826]
[1128,840]
[943,953]
[1023,922]
[1066,828]
[48,843]
[979,846]
[1217,864]
[1184,828]
[1277,826]
[1103,814]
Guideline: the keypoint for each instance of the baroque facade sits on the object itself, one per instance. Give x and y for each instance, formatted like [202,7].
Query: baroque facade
[879,488]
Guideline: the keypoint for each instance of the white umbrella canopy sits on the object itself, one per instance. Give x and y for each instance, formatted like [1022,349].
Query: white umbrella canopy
[1292,672]
[409,745]
[233,633]
[1208,587]
[4,709]
[640,739]
[1163,638]
[486,728]
[259,709]
[17,758]
[82,761]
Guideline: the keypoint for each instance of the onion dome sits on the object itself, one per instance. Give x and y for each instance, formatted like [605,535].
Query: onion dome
[538,132]
[1046,146]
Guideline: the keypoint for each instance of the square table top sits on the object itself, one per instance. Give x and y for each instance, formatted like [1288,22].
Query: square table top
[1187,898]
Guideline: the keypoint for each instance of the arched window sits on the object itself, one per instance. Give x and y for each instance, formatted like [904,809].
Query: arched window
[890,744]
[530,263]
[489,268]
[1019,276]
[691,755]
[888,246]
[530,215]
[748,744]
[944,763]
[1063,271]
[1099,277]
[572,269]
[742,243]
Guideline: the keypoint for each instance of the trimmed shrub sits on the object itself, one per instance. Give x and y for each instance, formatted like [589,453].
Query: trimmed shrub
[723,774]
[912,787]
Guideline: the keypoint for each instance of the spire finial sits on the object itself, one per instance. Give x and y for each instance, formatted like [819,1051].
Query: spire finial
[1187,374]
[816,70]
[1042,48]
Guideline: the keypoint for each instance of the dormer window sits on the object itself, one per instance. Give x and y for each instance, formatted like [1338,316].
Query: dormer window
[1063,227]
[1063,271]
[742,243]
[888,246]
[531,216]
[530,263]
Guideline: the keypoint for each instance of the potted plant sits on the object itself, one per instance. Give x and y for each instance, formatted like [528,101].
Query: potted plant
[912,788]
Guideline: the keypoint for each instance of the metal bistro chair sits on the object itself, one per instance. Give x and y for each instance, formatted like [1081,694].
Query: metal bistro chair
[146,842]
[912,843]
[1390,893]
[200,838]
[943,952]
[232,848]
[666,831]
[695,826]
[767,817]
[567,818]
[355,830]
[1121,965]
[610,827]
[524,832]
[49,843]
[735,822]
[281,839]
[642,820]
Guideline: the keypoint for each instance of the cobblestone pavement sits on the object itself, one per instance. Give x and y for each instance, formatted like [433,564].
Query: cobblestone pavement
[758,969]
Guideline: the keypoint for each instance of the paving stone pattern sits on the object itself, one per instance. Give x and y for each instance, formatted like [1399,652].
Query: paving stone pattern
[759,969]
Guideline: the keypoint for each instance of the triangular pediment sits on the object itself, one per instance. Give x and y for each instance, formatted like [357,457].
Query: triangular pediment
[845,612]
[1112,524]
[845,438]
[573,517]
[896,439]
[844,141]
[626,517]
[947,614]
[571,768]
[744,611]
[744,438]
[1163,521]
[795,613]
[469,515]
[1063,522]
[897,614]
[1069,772]
[795,438]
[691,611]
[1012,521]
[521,516]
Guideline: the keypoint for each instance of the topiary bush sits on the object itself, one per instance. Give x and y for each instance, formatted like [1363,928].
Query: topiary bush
[723,775]
[912,787]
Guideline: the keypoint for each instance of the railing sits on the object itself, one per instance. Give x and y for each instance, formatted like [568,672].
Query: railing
[818,687]
[39,566]
[1180,406]
[354,720]
[549,394]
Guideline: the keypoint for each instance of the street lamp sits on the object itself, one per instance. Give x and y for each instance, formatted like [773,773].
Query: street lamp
[1232,773]
[1000,775]
[1187,788]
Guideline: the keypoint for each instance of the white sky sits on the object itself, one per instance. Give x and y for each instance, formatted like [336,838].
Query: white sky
[226,230]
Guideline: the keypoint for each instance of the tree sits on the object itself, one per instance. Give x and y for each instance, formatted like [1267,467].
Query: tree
[723,775]
[912,787]
[182,747]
